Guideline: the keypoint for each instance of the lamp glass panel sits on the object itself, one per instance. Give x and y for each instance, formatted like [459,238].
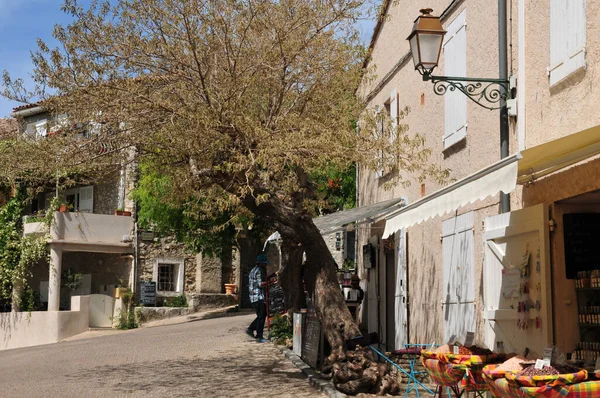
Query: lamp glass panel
[414,48]
[430,45]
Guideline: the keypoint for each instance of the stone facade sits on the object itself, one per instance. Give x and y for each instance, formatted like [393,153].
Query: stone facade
[106,194]
[202,273]
[166,248]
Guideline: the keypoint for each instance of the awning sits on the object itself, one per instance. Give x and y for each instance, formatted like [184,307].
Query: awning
[500,176]
[334,222]
[552,156]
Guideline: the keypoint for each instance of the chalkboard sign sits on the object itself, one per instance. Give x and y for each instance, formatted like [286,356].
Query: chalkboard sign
[148,293]
[276,304]
[582,238]
[312,338]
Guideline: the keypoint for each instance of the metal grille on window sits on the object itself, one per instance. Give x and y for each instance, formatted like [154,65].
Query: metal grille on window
[166,277]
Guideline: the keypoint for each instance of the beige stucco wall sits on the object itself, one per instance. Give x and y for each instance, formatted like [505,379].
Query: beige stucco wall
[570,106]
[479,149]
[26,329]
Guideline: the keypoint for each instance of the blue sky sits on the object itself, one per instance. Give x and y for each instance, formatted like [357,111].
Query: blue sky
[23,21]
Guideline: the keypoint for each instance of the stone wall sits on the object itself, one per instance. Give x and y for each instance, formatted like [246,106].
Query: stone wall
[337,254]
[106,195]
[166,248]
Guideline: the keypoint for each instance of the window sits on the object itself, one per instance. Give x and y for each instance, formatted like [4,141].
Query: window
[39,128]
[567,38]
[455,64]
[168,274]
[166,278]
[459,276]
[80,199]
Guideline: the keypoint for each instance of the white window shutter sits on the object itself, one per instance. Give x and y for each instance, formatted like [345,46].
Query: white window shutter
[459,275]
[41,128]
[567,38]
[86,199]
[455,64]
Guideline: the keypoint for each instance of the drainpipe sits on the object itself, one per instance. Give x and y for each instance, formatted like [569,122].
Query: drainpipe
[503,74]
[521,79]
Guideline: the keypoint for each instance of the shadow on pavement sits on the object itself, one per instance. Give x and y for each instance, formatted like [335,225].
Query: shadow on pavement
[252,370]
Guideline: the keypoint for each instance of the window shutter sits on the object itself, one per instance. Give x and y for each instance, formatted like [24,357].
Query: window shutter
[86,199]
[459,275]
[41,128]
[455,64]
[567,38]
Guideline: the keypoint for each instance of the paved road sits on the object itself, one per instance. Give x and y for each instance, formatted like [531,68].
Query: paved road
[207,358]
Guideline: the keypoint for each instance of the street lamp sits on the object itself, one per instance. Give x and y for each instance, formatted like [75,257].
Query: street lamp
[426,41]
[426,46]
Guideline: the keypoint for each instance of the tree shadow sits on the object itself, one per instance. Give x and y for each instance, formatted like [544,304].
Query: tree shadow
[250,371]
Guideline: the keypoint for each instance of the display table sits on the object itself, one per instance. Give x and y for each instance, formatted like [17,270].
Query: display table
[459,373]
[502,384]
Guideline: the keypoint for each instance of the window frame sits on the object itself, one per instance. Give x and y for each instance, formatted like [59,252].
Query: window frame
[178,274]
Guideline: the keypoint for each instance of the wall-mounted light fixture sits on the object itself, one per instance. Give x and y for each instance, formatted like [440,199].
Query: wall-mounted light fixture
[426,41]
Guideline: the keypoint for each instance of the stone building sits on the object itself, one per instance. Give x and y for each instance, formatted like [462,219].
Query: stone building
[109,250]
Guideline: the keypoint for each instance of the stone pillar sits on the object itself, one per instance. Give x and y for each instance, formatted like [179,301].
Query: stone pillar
[209,273]
[54,283]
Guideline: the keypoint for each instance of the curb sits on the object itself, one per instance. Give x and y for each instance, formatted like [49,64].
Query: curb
[195,316]
[324,386]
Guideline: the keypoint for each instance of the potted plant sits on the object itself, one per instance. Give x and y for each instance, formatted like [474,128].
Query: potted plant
[230,288]
[63,208]
[121,212]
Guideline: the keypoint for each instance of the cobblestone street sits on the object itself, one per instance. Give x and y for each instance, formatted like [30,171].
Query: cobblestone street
[207,358]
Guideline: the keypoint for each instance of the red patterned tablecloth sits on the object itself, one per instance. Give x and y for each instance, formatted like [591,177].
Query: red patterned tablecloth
[500,386]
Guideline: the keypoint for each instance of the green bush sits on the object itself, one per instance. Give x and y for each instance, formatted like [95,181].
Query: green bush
[30,300]
[126,319]
[179,301]
[281,329]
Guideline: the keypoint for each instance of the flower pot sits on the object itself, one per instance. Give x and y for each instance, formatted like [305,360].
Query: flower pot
[119,292]
[122,213]
[63,208]
[230,288]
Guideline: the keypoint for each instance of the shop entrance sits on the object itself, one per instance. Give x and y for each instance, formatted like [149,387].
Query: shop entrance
[517,309]
[576,261]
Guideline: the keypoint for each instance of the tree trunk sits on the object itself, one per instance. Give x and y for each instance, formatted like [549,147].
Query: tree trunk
[320,275]
[290,276]
[352,371]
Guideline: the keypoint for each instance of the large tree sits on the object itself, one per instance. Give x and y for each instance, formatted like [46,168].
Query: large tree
[238,102]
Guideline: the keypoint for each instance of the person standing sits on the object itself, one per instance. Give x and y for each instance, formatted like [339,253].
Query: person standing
[257,298]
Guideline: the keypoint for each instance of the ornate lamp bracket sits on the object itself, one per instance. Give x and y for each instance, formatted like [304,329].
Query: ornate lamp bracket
[487,93]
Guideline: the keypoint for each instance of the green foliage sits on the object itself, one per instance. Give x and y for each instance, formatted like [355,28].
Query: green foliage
[179,301]
[348,265]
[17,252]
[336,188]
[126,319]
[30,300]
[71,279]
[281,329]
[193,222]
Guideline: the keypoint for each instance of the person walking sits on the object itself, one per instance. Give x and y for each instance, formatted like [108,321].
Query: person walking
[257,298]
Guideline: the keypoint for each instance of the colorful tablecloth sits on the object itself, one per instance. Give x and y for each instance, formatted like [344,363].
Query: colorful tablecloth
[467,360]
[468,378]
[550,380]
[499,386]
